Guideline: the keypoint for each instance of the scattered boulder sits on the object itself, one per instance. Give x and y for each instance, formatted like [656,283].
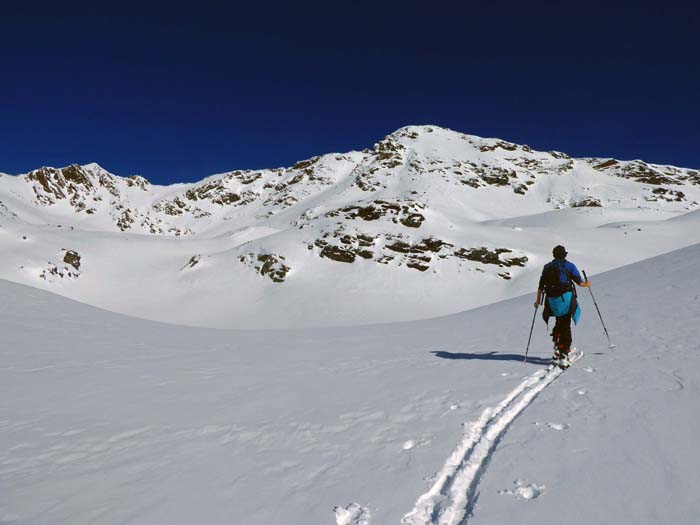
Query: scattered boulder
[345,247]
[406,212]
[194,261]
[336,253]
[498,177]
[53,272]
[247,177]
[486,256]
[125,220]
[586,202]
[607,164]
[73,258]
[267,264]
[387,153]
[417,265]
[480,175]
[644,173]
[666,195]
[215,191]
[385,156]
[559,155]
[508,146]
[174,207]
[137,181]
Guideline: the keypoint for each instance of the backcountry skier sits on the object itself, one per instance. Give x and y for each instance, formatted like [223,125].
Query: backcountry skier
[557,282]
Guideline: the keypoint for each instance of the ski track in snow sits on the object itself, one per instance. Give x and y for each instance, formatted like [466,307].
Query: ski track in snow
[452,497]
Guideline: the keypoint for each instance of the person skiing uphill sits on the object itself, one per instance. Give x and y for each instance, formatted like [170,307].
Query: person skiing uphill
[557,282]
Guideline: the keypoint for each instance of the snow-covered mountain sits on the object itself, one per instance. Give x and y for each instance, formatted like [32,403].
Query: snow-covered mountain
[426,222]
[108,419]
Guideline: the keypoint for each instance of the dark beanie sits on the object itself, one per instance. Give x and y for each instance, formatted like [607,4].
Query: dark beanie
[559,252]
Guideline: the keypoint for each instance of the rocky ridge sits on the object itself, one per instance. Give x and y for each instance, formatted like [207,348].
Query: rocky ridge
[413,201]
[133,204]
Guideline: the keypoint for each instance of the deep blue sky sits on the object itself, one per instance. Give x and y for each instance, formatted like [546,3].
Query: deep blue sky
[178,93]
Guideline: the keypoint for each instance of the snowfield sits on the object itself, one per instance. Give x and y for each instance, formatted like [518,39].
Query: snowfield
[109,419]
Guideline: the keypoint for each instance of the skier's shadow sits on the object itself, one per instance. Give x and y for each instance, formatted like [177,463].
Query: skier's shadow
[491,356]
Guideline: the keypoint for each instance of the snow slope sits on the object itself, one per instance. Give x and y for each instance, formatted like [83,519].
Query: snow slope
[427,222]
[109,419]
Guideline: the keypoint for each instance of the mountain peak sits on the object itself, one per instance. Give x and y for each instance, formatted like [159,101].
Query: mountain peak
[418,131]
[438,137]
[93,166]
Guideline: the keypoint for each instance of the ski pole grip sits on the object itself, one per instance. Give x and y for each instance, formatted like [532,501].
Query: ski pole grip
[584,275]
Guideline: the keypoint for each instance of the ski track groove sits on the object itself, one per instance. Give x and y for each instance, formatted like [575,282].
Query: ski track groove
[452,497]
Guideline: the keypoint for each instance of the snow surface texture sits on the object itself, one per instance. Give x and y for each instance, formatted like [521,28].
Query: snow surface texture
[107,419]
[451,498]
[427,222]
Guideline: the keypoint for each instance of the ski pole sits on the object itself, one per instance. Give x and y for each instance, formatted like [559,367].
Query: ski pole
[610,345]
[528,339]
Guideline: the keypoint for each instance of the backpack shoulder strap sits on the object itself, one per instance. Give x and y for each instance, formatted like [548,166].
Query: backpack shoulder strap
[569,278]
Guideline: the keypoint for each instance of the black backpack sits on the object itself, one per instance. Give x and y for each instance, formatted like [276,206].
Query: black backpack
[553,285]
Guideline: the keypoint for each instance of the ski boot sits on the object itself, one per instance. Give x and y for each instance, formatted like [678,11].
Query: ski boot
[564,361]
[557,353]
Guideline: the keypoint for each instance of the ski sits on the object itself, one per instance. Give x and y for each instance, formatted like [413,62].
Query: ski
[574,356]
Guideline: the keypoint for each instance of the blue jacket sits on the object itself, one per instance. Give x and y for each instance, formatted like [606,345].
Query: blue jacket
[565,303]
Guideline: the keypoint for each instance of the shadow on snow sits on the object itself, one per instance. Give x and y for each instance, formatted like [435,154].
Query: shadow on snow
[492,356]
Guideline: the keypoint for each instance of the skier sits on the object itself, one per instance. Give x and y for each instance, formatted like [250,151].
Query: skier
[556,282]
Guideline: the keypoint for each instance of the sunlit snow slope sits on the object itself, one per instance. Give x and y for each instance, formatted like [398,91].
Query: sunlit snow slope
[106,419]
[427,222]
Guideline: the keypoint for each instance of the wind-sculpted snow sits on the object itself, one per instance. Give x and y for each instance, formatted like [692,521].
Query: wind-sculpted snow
[452,221]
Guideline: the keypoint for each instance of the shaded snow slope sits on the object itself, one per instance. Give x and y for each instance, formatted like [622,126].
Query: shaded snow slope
[443,220]
[109,419]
